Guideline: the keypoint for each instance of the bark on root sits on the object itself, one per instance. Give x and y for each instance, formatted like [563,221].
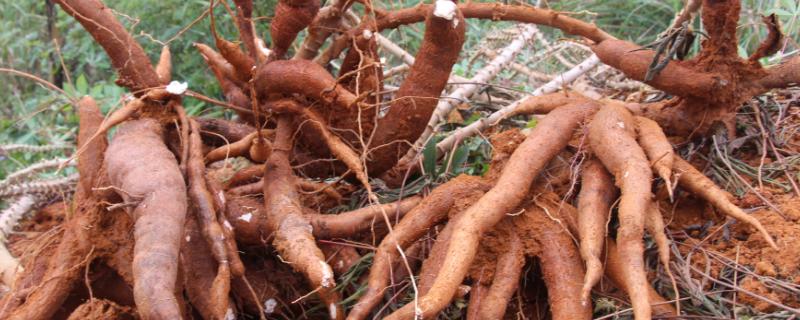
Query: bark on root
[506,280]
[613,140]
[205,211]
[432,210]
[75,249]
[127,56]
[416,99]
[594,207]
[545,141]
[562,270]
[291,16]
[143,170]
[293,236]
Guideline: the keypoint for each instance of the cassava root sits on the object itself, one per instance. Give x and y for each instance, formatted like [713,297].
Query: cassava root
[253,236]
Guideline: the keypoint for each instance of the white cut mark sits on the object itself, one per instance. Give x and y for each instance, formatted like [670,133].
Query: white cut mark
[246,217]
[327,274]
[269,306]
[455,22]
[465,288]
[176,87]
[229,315]
[340,264]
[188,238]
[625,175]
[332,310]
[367,34]
[621,124]
[221,196]
[263,48]
[228,225]
[445,9]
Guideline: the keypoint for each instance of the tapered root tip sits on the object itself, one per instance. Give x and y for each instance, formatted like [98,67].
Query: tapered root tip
[757,224]
[594,270]
[585,294]
[670,189]
[766,235]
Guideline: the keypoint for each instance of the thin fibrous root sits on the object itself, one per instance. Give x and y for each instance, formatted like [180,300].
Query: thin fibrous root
[612,137]
[337,147]
[245,216]
[205,211]
[432,210]
[697,183]
[658,149]
[293,236]
[548,138]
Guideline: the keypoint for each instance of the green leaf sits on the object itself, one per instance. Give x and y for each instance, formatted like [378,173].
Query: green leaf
[69,89]
[429,163]
[459,158]
[779,12]
[472,118]
[81,85]
[532,123]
